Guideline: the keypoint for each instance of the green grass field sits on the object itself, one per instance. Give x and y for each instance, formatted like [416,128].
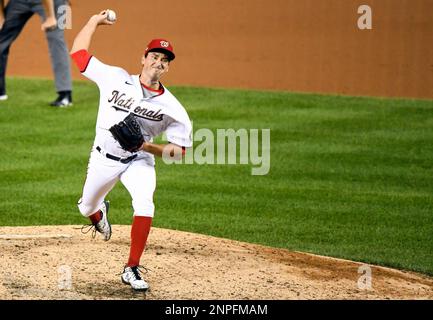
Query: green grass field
[350,177]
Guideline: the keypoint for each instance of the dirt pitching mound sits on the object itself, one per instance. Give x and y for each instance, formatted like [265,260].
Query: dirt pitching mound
[59,262]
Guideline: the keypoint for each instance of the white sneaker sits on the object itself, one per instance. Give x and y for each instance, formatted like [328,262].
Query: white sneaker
[132,277]
[103,226]
[3,97]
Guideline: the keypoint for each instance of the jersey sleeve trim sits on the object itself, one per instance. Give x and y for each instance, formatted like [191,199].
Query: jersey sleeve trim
[183,148]
[81,59]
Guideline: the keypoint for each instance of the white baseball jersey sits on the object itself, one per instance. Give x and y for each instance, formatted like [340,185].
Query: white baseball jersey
[121,94]
[156,111]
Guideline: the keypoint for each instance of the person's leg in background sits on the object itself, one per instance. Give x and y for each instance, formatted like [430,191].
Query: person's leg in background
[59,55]
[17,13]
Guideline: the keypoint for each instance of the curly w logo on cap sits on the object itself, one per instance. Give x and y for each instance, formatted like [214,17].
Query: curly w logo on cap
[160,45]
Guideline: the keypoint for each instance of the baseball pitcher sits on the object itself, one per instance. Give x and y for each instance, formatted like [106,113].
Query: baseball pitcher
[132,110]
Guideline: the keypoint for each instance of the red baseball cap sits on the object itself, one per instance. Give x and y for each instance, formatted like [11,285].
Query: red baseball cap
[160,45]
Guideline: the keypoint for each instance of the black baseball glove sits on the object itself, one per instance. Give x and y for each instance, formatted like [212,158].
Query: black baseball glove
[127,132]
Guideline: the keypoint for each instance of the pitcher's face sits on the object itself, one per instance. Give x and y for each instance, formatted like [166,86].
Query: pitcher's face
[155,65]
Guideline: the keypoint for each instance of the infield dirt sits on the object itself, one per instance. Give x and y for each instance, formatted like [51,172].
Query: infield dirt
[59,262]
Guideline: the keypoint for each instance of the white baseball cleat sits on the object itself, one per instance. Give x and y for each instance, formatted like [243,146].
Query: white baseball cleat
[103,226]
[131,276]
[3,97]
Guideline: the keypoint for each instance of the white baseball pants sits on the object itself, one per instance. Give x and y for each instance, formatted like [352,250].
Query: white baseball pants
[102,174]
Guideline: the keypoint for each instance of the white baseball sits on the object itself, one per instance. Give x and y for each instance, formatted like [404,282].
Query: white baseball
[111,15]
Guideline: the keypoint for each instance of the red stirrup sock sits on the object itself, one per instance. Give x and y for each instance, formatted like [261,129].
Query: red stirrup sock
[96,217]
[139,232]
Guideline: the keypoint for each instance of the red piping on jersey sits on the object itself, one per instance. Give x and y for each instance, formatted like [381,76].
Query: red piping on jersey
[81,59]
[153,90]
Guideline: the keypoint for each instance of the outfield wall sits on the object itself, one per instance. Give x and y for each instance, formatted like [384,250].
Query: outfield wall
[295,45]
